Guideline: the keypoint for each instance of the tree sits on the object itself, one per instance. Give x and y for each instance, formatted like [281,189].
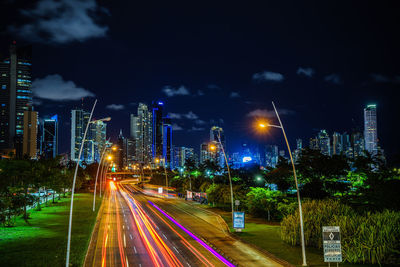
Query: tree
[262,201]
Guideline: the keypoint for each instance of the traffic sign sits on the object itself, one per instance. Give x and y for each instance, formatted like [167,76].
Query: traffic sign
[331,244]
[238,220]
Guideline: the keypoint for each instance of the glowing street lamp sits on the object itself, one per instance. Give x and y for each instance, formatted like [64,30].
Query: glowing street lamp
[263,126]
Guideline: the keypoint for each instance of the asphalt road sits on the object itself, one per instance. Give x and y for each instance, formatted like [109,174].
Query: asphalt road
[135,229]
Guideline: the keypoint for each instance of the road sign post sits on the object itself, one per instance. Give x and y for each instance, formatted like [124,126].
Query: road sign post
[331,244]
[238,220]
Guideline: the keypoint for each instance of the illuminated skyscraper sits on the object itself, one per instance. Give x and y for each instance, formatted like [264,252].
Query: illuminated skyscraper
[370,129]
[15,97]
[30,133]
[49,135]
[142,132]
[181,154]
[167,142]
[357,143]
[157,111]
[324,143]
[271,155]
[79,120]
[337,146]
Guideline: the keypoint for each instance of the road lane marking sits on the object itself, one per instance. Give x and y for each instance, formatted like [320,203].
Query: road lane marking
[123,226]
[164,236]
[188,264]
[176,249]
[135,249]
[128,227]
[130,236]
[140,265]
[127,263]
[124,241]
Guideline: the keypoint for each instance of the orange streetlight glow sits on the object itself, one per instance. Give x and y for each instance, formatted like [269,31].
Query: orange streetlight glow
[212,147]
[114,148]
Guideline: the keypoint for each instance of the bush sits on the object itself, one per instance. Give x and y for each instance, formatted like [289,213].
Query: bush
[370,238]
[262,202]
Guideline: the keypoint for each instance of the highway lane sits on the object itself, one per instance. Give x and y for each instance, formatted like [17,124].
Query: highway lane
[209,227]
[133,233]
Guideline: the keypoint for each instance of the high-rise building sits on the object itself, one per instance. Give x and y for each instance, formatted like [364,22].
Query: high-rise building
[99,134]
[49,137]
[142,131]
[346,145]
[79,120]
[314,144]
[15,97]
[271,155]
[324,143]
[30,133]
[157,111]
[357,143]
[167,142]
[216,133]
[370,129]
[212,152]
[181,154]
[337,146]
[120,153]
[129,150]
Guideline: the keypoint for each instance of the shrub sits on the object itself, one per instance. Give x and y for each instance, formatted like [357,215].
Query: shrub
[370,238]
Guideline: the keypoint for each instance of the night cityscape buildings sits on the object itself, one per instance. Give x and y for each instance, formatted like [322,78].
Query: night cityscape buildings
[370,129]
[15,97]
[49,137]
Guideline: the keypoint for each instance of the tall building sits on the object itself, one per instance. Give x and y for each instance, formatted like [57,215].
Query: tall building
[212,152]
[324,143]
[271,155]
[217,132]
[314,144]
[181,154]
[30,133]
[157,111]
[129,150]
[120,158]
[49,137]
[337,146]
[79,120]
[143,134]
[167,142]
[357,143]
[15,97]
[347,146]
[99,137]
[370,129]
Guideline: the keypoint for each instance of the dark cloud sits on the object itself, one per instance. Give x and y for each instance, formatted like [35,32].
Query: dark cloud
[54,87]
[333,78]
[61,21]
[171,91]
[115,107]
[308,72]
[268,76]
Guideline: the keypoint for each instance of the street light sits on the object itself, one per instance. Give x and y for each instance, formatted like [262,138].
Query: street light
[97,173]
[73,186]
[213,148]
[264,125]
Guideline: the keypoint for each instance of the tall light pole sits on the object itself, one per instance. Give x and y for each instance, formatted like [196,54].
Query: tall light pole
[227,167]
[73,186]
[264,125]
[97,173]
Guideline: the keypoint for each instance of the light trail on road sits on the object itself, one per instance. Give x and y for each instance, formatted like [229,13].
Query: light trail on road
[201,242]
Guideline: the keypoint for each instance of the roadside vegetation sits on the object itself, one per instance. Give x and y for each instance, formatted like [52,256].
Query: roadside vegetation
[361,196]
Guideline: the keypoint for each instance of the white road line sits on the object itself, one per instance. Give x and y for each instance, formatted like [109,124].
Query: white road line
[124,241]
[176,249]
[127,263]
[188,264]
[140,265]
[164,236]
[127,227]
[130,236]
[135,249]
[123,226]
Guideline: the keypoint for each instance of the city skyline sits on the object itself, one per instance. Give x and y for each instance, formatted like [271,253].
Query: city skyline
[322,84]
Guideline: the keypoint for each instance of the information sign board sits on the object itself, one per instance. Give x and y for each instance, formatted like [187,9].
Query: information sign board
[331,244]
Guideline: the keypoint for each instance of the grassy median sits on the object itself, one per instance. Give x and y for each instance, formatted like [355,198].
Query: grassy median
[43,241]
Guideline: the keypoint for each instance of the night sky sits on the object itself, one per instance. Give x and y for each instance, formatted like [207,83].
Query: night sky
[320,62]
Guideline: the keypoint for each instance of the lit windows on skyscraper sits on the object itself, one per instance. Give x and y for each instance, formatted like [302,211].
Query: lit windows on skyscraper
[370,129]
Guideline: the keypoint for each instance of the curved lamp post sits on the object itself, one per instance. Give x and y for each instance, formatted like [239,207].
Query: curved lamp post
[73,186]
[280,126]
[97,173]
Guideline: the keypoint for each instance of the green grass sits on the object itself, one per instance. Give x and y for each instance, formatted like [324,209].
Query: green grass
[43,241]
[267,236]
